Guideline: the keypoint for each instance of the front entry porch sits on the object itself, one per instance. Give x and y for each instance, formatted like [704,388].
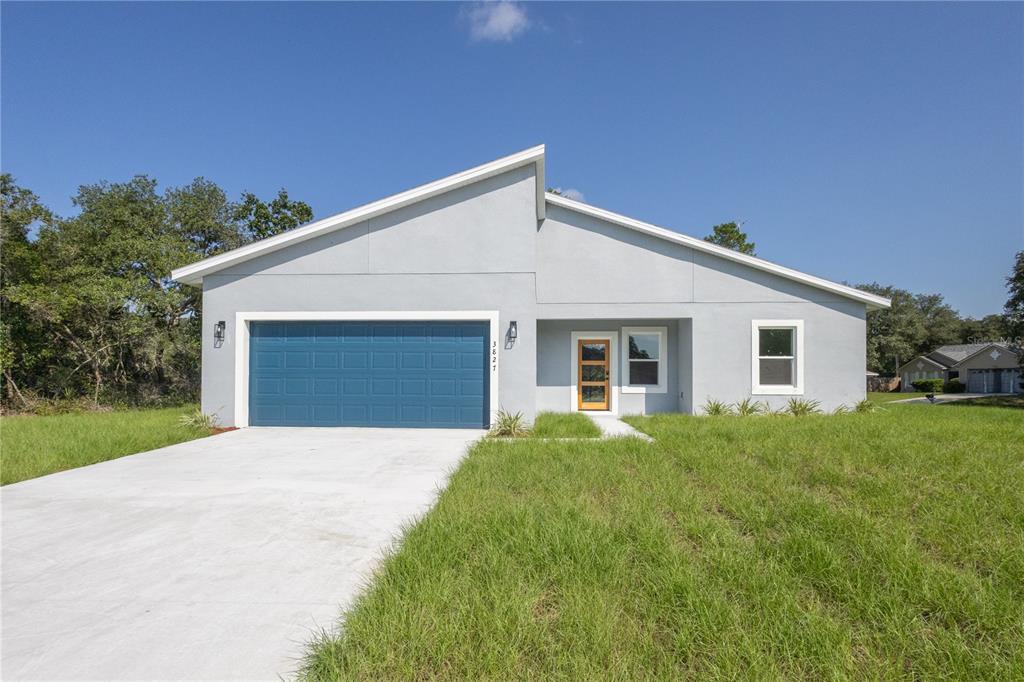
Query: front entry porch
[614,366]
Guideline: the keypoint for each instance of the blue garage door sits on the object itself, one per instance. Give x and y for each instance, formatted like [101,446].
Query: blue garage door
[410,374]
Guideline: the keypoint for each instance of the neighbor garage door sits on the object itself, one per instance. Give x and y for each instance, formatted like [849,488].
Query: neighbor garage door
[409,374]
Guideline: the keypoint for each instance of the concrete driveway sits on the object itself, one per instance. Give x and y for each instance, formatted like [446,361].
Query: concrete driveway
[212,559]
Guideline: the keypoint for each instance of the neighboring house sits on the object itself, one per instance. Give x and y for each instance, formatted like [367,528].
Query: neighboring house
[478,292]
[981,367]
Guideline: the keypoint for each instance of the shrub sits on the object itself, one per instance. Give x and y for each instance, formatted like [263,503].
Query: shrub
[748,407]
[842,409]
[799,407]
[510,425]
[197,420]
[954,386]
[928,385]
[865,407]
[716,408]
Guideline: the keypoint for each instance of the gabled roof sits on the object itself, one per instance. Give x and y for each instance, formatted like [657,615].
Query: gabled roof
[923,358]
[871,300]
[964,352]
[193,274]
[949,357]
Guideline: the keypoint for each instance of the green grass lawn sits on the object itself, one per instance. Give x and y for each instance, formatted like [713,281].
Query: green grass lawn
[858,546]
[889,397]
[32,446]
[564,425]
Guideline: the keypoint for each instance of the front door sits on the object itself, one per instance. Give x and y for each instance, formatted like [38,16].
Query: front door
[594,372]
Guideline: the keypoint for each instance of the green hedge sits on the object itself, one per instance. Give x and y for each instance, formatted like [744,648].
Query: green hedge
[928,385]
[954,386]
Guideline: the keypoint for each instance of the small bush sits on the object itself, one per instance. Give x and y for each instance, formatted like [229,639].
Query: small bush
[509,425]
[928,385]
[798,407]
[716,408]
[197,420]
[842,409]
[865,407]
[748,407]
[954,386]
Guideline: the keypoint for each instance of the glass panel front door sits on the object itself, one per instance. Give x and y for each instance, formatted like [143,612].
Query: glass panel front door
[594,372]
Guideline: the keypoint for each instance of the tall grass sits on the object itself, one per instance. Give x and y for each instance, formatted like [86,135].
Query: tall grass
[860,546]
[564,425]
[32,446]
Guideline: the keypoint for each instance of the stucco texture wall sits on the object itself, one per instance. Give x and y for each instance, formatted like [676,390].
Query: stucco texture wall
[481,247]
[470,249]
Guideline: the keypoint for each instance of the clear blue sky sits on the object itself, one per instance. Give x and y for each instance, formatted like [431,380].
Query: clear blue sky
[858,142]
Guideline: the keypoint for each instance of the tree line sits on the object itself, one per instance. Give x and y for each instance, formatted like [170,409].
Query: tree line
[87,307]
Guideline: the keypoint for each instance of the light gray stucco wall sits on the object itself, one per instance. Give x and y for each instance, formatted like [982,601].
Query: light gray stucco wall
[714,298]
[471,249]
[481,248]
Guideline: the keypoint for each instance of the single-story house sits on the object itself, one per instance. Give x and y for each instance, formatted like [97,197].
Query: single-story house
[981,367]
[480,292]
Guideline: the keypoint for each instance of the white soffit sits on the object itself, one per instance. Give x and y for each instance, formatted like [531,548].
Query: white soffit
[193,274]
[871,300]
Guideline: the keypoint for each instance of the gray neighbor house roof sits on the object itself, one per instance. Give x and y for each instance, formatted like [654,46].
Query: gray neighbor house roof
[952,355]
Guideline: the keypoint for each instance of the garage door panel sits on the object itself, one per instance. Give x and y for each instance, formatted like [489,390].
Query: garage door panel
[410,374]
[355,360]
[326,360]
[326,387]
[413,360]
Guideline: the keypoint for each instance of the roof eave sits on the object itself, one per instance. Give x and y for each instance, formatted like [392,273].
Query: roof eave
[872,301]
[193,274]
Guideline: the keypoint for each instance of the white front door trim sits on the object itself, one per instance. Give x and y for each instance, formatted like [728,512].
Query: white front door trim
[613,366]
[242,320]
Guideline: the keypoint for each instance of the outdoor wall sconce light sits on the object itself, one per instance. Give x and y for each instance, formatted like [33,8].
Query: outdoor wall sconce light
[218,332]
[513,330]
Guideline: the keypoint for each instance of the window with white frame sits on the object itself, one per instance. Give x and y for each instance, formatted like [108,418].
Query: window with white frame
[777,357]
[644,359]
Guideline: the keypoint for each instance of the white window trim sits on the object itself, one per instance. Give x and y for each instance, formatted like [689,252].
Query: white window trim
[798,367]
[613,344]
[242,320]
[662,385]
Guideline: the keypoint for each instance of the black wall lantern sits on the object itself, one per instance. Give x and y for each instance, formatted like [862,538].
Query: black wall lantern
[513,330]
[218,332]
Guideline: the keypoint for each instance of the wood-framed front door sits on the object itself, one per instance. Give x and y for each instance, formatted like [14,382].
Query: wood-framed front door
[594,376]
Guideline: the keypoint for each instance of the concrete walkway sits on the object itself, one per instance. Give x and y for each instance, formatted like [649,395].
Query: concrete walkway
[613,427]
[213,559]
[948,398]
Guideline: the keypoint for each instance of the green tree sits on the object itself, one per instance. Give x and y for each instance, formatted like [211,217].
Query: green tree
[22,348]
[896,334]
[730,236]
[262,219]
[942,324]
[1014,309]
[105,318]
[989,328]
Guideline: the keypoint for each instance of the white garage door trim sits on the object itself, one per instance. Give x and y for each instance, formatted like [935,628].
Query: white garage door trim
[242,321]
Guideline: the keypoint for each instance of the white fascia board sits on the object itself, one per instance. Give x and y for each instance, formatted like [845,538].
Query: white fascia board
[193,274]
[871,300]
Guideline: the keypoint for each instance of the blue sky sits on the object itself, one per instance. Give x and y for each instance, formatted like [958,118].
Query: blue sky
[858,142]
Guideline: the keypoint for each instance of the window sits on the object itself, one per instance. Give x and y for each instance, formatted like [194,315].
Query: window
[777,362]
[644,363]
